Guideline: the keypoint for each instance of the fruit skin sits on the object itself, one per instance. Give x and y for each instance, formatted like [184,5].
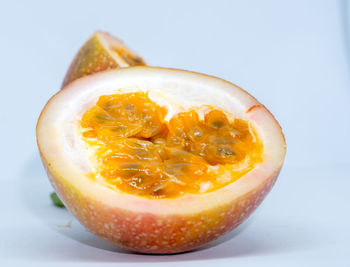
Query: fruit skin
[101,52]
[152,234]
[160,226]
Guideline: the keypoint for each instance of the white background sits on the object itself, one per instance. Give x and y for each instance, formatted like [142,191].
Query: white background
[294,56]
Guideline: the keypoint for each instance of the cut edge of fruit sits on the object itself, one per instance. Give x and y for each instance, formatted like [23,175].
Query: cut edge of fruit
[267,127]
[123,55]
[101,52]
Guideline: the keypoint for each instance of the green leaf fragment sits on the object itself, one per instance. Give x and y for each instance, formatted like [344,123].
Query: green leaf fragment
[56,200]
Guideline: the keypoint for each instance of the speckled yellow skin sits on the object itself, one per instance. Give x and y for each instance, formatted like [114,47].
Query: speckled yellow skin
[149,233]
[101,52]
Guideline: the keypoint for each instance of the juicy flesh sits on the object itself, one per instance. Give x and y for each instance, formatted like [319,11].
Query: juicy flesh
[139,152]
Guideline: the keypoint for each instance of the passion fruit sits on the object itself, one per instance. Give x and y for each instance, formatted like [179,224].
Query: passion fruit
[159,160]
[100,52]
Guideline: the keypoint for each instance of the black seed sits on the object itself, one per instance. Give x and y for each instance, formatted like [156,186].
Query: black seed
[225,151]
[102,118]
[217,124]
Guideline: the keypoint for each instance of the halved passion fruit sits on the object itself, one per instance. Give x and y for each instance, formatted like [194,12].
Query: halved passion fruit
[159,160]
[100,52]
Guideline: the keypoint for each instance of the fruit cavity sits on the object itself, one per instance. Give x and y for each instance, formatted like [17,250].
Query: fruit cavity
[137,151]
[97,140]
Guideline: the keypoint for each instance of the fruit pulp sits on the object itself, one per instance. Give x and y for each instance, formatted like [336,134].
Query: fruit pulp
[139,152]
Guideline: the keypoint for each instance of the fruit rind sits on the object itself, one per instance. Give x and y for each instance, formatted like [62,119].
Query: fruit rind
[166,225]
[101,52]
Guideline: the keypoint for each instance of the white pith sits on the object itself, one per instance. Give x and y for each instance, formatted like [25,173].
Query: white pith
[171,88]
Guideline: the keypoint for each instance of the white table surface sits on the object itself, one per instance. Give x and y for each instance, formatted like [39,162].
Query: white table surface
[294,56]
